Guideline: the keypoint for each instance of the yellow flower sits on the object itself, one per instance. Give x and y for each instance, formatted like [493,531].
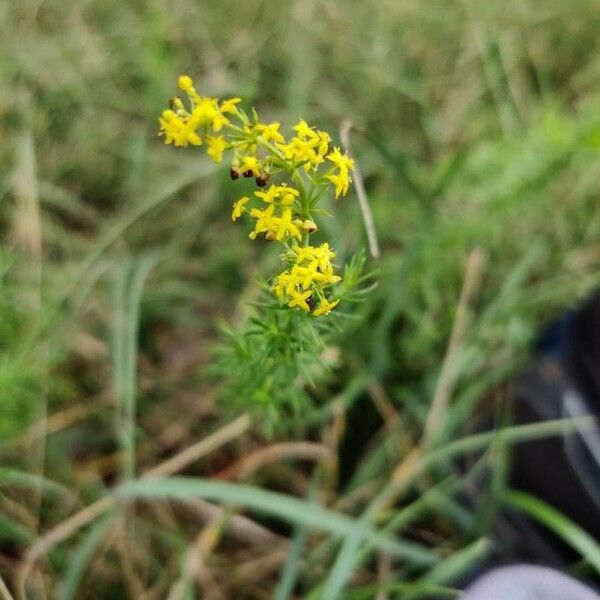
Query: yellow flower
[285,194]
[301,151]
[270,195]
[219,120]
[303,276]
[341,161]
[322,255]
[265,221]
[325,307]
[204,111]
[179,131]
[299,299]
[308,147]
[167,127]
[238,208]
[228,106]
[309,271]
[285,226]
[303,129]
[327,276]
[341,182]
[216,146]
[324,140]
[270,132]
[250,165]
[310,274]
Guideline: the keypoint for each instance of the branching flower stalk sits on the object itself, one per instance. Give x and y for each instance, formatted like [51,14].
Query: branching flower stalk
[307,168]
[273,361]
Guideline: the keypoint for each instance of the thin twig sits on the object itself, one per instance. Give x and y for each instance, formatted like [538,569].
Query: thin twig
[201,448]
[274,453]
[359,186]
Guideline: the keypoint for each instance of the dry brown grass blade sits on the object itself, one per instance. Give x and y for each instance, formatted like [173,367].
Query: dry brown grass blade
[412,462]
[27,235]
[258,569]
[445,384]
[27,222]
[60,420]
[133,582]
[69,526]
[332,435]
[195,563]
[383,404]
[4,591]
[384,574]
[201,448]
[244,529]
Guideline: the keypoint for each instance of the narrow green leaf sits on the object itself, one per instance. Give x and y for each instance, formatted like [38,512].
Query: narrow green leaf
[454,565]
[300,512]
[368,592]
[290,571]
[16,478]
[555,521]
[81,557]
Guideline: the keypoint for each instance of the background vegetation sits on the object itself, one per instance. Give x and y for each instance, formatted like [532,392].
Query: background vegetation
[477,129]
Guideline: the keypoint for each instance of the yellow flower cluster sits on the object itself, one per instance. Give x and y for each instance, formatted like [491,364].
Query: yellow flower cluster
[280,212]
[341,179]
[181,126]
[308,148]
[311,272]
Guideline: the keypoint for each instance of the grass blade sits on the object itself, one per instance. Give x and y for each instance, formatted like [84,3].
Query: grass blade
[127,298]
[288,508]
[454,566]
[555,521]
[81,557]
[292,565]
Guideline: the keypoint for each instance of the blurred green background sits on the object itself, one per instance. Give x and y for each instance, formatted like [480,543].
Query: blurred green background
[476,126]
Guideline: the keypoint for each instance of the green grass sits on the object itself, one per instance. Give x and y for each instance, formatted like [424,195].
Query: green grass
[477,129]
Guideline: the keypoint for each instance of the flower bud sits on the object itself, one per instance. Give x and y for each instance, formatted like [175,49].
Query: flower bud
[262,180]
[269,235]
[176,104]
[309,226]
[185,83]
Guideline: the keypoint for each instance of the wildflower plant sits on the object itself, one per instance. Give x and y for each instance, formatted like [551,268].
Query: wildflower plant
[292,175]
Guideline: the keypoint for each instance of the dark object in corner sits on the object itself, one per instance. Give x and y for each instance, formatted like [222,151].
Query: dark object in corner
[563,382]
